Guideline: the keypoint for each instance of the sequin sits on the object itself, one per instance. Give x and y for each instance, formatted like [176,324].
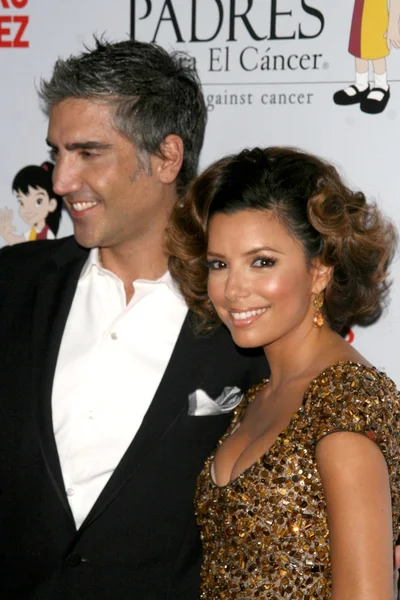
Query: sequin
[265,534]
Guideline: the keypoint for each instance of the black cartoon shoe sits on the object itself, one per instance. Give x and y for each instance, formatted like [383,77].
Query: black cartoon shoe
[342,98]
[375,106]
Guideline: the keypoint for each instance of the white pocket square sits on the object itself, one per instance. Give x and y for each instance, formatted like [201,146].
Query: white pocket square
[201,405]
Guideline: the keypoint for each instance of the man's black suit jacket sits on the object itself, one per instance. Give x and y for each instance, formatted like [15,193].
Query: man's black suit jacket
[140,539]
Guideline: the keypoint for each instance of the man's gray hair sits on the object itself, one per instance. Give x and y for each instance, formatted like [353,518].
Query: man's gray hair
[154,93]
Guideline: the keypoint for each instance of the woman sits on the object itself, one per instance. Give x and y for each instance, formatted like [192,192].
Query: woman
[290,259]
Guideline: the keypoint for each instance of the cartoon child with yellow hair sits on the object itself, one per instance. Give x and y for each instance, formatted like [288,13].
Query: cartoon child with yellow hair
[374,29]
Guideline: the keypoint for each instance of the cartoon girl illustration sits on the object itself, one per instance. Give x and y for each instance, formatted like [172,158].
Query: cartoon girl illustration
[374,29]
[39,206]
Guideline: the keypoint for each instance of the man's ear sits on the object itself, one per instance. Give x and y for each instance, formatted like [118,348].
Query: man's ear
[169,162]
[322,275]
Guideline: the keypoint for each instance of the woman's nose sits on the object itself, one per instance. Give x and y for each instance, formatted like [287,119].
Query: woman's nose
[236,287]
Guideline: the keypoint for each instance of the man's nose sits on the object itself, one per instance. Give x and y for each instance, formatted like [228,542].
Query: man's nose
[66,179]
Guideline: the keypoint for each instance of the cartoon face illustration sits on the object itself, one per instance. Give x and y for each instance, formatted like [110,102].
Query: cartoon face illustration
[39,206]
[35,205]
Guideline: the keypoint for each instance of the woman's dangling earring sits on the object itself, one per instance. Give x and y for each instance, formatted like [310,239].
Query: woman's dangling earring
[318,318]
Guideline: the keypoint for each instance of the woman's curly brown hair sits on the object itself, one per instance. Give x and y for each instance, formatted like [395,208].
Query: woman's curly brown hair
[308,196]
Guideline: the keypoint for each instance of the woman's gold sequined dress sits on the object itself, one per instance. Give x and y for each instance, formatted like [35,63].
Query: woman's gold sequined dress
[265,534]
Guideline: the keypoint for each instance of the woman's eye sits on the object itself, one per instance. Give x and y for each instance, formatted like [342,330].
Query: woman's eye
[215,265]
[262,261]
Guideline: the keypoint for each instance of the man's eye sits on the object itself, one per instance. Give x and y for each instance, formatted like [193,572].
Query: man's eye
[39,201]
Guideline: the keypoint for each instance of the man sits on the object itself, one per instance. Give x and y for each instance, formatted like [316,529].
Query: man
[98,454]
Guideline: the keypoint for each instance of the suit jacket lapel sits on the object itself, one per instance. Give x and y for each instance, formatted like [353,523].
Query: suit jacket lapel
[55,292]
[189,364]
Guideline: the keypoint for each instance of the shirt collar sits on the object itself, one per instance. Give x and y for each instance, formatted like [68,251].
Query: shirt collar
[93,262]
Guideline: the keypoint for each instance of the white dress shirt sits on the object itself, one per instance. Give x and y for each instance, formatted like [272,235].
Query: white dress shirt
[111,361]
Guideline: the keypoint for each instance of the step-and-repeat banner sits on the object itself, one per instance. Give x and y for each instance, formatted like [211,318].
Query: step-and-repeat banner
[273,73]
